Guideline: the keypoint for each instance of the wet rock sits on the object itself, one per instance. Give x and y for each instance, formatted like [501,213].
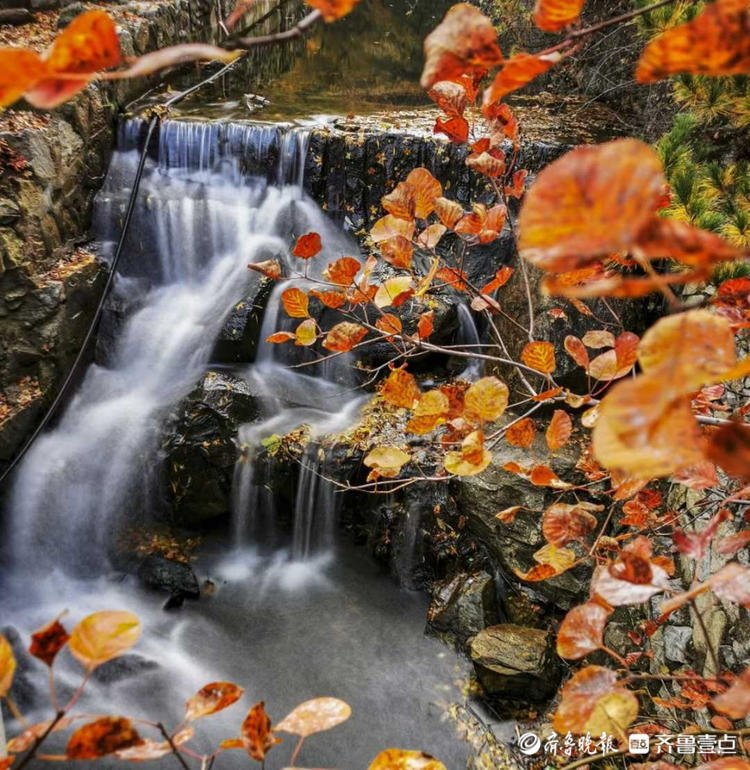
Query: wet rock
[512,545]
[161,574]
[238,339]
[125,667]
[464,606]
[15,16]
[9,211]
[201,448]
[515,662]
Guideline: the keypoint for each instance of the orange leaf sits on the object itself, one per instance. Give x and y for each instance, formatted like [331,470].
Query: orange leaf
[48,641]
[715,42]
[389,323]
[386,462]
[280,337]
[455,128]
[344,336]
[343,271]
[426,189]
[729,448]
[333,9]
[517,72]
[735,702]
[449,212]
[522,433]
[102,737]
[397,251]
[401,202]
[465,42]
[25,740]
[502,276]
[271,268]
[431,236]
[582,630]
[256,733]
[450,97]
[332,299]
[315,716]
[211,698]
[295,302]
[20,69]
[542,476]
[593,201]
[554,15]
[550,561]
[452,277]
[425,325]
[559,430]
[642,434]
[577,351]
[563,523]
[540,356]
[86,46]
[430,411]
[594,702]
[486,164]
[472,459]
[394,292]
[400,389]
[307,246]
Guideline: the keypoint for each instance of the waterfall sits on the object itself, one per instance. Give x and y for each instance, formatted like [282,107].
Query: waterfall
[207,206]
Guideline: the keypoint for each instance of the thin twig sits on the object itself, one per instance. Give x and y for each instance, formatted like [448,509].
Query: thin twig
[40,740]
[170,741]
[298,30]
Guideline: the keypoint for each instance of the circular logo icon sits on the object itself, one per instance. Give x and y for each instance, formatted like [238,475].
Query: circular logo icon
[529,743]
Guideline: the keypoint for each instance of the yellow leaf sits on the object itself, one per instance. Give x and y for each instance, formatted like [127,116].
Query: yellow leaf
[486,399]
[103,636]
[399,759]
[7,666]
[387,461]
[390,292]
[306,333]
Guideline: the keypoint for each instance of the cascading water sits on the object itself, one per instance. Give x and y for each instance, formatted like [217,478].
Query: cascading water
[214,198]
[200,218]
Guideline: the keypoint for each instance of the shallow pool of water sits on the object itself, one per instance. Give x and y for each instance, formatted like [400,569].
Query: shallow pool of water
[286,632]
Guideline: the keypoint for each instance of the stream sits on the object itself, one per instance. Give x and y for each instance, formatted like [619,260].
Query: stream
[308,617]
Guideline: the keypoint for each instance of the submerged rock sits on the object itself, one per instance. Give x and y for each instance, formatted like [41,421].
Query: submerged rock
[162,574]
[124,667]
[201,448]
[515,662]
[463,606]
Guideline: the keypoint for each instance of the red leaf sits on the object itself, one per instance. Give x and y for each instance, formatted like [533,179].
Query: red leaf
[307,246]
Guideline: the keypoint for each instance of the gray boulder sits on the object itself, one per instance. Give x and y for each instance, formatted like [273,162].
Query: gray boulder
[463,606]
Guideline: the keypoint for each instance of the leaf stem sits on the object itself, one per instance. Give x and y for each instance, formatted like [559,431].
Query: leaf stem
[40,740]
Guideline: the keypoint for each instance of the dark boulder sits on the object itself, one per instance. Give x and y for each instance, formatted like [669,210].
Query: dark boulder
[201,447]
[238,338]
[463,606]
[173,577]
[515,663]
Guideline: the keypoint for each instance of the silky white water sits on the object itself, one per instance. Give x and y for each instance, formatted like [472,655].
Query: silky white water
[318,618]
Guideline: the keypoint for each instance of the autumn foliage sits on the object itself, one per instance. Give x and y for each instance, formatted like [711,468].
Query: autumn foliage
[651,407]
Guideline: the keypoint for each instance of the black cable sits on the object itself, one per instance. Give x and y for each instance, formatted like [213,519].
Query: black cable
[99,308]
